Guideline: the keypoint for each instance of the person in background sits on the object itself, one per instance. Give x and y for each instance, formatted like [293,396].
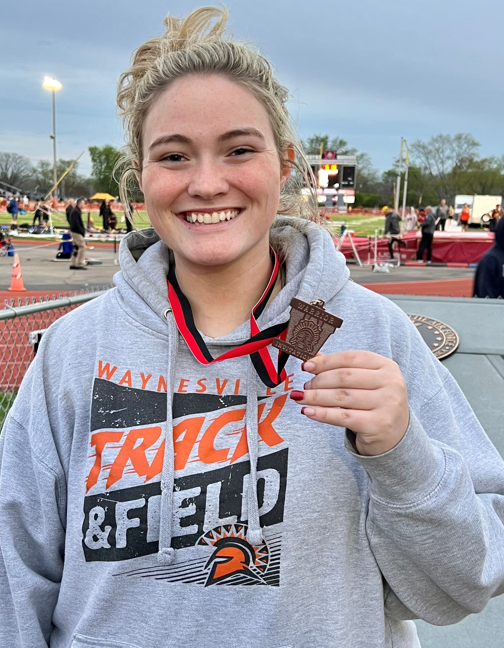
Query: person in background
[411,219]
[393,228]
[78,232]
[494,217]
[112,218]
[465,214]
[428,228]
[489,278]
[451,214]
[104,215]
[37,213]
[69,208]
[128,215]
[441,215]
[46,214]
[13,209]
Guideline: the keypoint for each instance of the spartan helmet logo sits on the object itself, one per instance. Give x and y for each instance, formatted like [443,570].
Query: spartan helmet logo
[305,335]
[231,556]
[234,560]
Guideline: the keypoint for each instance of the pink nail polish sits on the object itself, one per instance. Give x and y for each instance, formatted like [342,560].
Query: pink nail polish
[297,395]
[308,366]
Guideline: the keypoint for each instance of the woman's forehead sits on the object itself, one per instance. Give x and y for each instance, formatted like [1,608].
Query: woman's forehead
[205,106]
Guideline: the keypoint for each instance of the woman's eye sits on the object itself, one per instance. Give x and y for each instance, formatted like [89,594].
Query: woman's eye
[241,151]
[173,157]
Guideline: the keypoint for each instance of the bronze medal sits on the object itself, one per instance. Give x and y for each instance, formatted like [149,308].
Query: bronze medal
[310,325]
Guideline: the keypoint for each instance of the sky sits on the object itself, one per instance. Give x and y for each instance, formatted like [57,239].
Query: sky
[369,72]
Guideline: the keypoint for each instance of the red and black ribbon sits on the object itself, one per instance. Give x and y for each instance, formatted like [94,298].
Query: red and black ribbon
[255,346]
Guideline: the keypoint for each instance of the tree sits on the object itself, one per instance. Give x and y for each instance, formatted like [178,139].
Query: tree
[15,170]
[445,158]
[43,177]
[103,160]
[316,143]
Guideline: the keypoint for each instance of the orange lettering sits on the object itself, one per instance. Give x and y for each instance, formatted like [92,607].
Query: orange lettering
[183,386]
[161,386]
[269,392]
[136,455]
[219,388]
[183,446]
[105,369]
[207,453]
[98,441]
[126,379]
[289,384]
[237,387]
[201,385]
[265,429]
[145,379]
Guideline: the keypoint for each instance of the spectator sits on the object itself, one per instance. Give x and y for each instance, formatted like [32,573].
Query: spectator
[465,214]
[46,214]
[78,233]
[489,279]
[494,217]
[128,215]
[69,208]
[428,228]
[37,213]
[411,219]
[392,227]
[441,215]
[13,209]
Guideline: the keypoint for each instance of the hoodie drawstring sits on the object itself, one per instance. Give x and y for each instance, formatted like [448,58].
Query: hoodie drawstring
[166,553]
[254,532]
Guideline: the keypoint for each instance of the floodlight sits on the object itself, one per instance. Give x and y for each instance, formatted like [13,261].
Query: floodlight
[52,84]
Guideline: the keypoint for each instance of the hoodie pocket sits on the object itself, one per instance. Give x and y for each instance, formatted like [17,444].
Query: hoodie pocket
[83,641]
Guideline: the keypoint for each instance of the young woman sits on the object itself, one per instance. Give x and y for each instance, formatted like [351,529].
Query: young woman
[465,214]
[180,485]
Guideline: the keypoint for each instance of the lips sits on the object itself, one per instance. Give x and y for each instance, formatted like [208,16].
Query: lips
[210,218]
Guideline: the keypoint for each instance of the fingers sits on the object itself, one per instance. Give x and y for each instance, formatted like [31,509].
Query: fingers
[345,418]
[344,359]
[347,379]
[361,399]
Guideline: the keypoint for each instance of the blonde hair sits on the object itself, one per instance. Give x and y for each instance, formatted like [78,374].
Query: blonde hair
[193,45]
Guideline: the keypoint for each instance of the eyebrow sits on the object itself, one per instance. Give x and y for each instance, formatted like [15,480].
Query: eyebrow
[182,139]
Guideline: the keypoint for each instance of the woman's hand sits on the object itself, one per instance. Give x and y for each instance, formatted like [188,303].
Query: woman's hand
[361,391]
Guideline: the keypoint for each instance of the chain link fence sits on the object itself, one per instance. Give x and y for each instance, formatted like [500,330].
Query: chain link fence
[22,324]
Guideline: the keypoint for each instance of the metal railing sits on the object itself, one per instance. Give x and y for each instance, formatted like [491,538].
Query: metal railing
[21,327]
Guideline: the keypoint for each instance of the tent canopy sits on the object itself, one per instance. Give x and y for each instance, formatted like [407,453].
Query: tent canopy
[102,196]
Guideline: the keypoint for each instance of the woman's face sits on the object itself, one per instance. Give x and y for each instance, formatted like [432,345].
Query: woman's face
[211,175]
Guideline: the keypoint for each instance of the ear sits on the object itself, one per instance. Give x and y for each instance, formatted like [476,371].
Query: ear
[288,156]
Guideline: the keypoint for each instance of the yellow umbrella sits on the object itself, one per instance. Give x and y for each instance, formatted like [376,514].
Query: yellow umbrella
[102,196]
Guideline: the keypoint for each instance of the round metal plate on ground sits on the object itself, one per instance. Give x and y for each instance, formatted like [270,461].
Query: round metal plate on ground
[441,339]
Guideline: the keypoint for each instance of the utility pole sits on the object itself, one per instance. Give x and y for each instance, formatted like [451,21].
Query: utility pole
[398,183]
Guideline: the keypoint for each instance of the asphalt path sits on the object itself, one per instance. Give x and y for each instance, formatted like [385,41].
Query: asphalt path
[41,272]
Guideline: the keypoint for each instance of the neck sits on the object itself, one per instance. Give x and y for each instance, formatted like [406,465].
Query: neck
[223,297]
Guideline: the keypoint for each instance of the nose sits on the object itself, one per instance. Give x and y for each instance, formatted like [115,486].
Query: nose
[208,180]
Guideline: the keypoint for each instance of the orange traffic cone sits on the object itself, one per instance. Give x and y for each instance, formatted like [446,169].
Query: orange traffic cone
[17,277]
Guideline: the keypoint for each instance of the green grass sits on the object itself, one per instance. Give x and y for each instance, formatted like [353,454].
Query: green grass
[362,225]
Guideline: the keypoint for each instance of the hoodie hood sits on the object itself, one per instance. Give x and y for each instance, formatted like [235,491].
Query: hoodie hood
[314,270]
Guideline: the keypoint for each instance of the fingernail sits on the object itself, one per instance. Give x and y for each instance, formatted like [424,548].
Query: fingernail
[308,366]
[308,411]
[307,385]
[297,395]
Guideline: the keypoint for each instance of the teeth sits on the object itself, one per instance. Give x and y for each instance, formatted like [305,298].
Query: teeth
[215,217]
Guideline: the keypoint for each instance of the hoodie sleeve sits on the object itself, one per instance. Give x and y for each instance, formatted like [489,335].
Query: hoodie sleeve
[436,510]
[32,501]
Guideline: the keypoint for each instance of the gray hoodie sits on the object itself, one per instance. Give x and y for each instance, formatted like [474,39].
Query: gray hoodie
[148,501]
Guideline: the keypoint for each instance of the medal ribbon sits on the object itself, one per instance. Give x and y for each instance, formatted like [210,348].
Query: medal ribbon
[255,346]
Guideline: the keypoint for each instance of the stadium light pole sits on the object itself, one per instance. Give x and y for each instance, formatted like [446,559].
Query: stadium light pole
[53,85]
